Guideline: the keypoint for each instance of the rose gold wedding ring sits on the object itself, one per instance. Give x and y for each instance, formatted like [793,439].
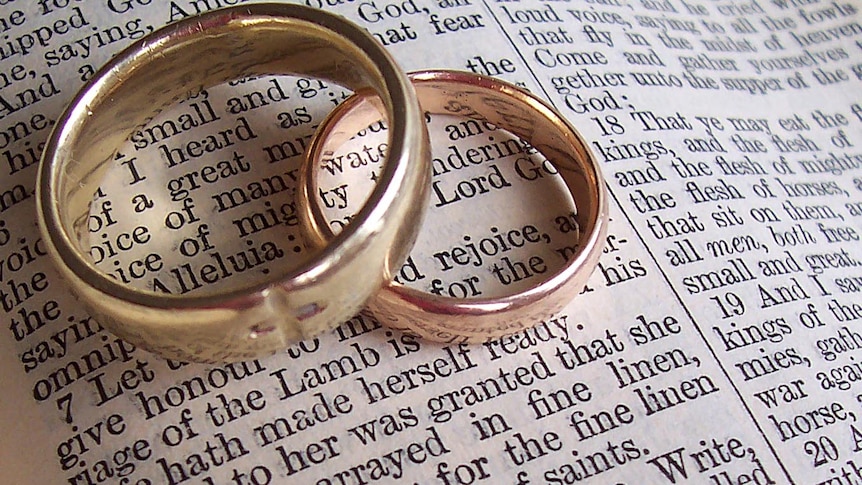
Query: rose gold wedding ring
[176,62]
[508,107]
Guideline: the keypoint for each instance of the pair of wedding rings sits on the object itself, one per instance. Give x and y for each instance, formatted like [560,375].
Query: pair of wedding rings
[349,270]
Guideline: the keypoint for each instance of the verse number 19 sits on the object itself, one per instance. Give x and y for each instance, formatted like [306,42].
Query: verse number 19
[730,304]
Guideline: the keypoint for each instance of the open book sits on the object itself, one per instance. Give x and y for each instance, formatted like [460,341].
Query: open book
[718,341]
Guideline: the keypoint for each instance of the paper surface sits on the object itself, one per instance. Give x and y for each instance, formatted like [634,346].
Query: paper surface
[717,342]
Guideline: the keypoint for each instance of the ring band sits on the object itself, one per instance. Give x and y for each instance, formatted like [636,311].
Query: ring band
[176,62]
[505,106]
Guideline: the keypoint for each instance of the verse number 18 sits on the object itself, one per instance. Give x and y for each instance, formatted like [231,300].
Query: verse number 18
[609,124]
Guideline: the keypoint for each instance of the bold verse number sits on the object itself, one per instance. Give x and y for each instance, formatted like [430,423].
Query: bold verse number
[64,404]
[823,450]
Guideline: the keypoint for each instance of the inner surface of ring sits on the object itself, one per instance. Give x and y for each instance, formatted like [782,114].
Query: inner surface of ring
[497,106]
[531,122]
[173,68]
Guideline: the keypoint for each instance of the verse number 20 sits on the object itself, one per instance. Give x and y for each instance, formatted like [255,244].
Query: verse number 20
[823,450]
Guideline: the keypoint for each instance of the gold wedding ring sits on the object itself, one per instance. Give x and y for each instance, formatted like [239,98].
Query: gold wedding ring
[505,106]
[176,62]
